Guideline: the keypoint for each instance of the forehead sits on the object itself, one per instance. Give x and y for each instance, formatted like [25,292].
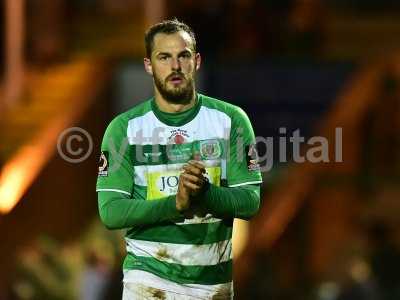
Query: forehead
[174,42]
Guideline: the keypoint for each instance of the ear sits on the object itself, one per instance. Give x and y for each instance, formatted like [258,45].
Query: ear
[147,65]
[198,61]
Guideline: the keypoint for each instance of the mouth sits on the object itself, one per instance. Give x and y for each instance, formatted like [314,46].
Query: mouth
[176,79]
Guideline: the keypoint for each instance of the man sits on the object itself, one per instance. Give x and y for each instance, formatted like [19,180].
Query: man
[175,171]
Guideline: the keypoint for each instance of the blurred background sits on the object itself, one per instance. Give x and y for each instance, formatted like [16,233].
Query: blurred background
[326,230]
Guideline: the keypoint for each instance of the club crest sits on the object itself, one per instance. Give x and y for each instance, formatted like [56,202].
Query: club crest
[210,149]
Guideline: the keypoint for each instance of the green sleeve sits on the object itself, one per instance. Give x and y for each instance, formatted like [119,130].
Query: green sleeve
[116,171]
[238,202]
[242,165]
[118,210]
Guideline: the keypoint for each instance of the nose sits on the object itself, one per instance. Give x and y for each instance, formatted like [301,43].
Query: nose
[175,64]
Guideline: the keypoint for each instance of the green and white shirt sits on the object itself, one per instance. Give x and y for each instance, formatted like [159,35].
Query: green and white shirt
[143,151]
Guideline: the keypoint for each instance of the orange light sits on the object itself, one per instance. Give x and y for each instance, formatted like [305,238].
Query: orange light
[22,169]
[70,80]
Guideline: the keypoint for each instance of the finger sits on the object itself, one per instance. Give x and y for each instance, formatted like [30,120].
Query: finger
[192,170]
[192,178]
[191,186]
[198,164]
[198,183]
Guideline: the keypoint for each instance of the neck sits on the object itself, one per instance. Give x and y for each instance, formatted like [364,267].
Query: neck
[169,107]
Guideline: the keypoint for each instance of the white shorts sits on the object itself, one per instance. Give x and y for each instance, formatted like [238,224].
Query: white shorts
[134,291]
[143,285]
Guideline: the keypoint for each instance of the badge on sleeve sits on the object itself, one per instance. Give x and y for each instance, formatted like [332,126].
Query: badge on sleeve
[252,158]
[103,163]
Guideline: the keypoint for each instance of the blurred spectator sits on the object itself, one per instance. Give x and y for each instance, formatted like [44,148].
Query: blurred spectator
[43,273]
[47,30]
[385,260]
[2,39]
[95,277]
[251,28]
[305,27]
[208,20]
[245,28]
[360,284]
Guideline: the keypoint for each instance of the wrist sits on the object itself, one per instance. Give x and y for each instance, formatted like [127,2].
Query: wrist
[181,207]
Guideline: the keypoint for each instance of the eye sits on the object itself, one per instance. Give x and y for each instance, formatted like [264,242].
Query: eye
[186,55]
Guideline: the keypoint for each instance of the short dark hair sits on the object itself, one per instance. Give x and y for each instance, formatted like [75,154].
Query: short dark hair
[167,27]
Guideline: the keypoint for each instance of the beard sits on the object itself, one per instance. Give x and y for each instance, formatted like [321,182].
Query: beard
[181,94]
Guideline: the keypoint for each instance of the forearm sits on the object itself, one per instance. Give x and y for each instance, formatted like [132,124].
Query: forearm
[117,211]
[237,202]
